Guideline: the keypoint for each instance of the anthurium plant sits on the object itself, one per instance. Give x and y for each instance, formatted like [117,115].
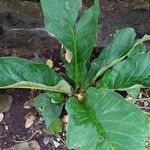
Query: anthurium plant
[98,117]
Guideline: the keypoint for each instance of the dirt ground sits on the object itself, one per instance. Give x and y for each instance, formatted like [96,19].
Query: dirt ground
[22,34]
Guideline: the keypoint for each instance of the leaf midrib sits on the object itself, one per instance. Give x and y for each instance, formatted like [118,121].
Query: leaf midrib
[98,125]
[74,45]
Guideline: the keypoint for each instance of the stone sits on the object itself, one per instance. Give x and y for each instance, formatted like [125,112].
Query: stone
[32,145]
[1,117]
[5,103]
[56,144]
[46,140]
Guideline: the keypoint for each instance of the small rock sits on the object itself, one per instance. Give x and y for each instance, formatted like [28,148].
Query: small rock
[29,104]
[56,144]
[1,117]
[46,140]
[5,103]
[65,119]
[26,106]
[56,68]
[29,120]
[58,139]
[6,127]
[32,145]
[146,103]
[40,120]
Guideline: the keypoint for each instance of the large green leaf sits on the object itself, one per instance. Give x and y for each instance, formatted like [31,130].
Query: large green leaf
[20,73]
[105,121]
[50,112]
[134,71]
[78,37]
[123,41]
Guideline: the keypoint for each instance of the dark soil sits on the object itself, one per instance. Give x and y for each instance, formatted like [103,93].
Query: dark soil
[15,120]
[28,43]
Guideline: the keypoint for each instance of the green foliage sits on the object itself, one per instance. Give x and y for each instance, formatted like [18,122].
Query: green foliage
[133,71]
[110,123]
[75,35]
[50,106]
[99,118]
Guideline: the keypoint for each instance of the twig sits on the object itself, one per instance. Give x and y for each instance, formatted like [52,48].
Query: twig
[147,108]
[61,139]
[139,99]
[21,141]
[147,113]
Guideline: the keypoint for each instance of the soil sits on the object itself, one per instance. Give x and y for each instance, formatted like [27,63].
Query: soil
[22,34]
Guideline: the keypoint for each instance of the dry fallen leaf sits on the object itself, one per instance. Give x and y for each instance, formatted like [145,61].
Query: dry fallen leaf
[68,56]
[29,120]
[1,116]
[80,97]
[65,118]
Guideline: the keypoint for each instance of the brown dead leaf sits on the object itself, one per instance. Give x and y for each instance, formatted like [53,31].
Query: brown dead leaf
[65,119]
[80,97]
[29,120]
[68,56]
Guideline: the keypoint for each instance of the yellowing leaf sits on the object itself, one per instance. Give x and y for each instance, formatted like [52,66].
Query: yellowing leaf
[49,63]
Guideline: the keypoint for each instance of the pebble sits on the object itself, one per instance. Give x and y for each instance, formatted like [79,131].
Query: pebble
[6,127]
[31,145]
[58,139]
[1,117]
[146,103]
[56,144]
[46,140]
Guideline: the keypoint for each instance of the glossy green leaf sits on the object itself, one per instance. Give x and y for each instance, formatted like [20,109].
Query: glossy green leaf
[50,112]
[123,41]
[20,73]
[106,121]
[78,37]
[132,72]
